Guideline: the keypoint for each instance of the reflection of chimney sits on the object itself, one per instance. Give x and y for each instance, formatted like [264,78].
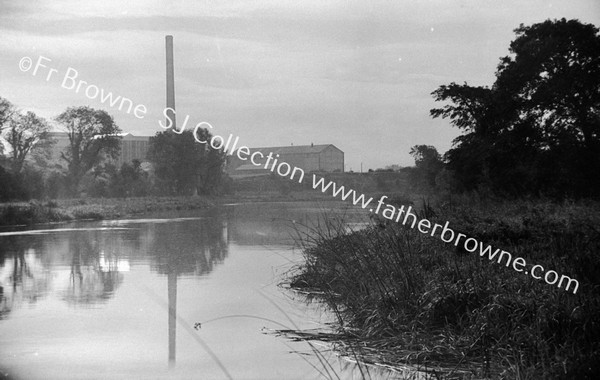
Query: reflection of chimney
[172,290]
[170,82]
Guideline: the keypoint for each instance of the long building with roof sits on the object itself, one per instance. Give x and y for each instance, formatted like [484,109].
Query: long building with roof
[310,158]
[132,148]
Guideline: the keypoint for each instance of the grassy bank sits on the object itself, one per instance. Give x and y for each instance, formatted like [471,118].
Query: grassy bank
[65,210]
[410,299]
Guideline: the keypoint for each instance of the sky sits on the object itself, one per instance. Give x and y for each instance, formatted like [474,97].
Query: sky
[356,74]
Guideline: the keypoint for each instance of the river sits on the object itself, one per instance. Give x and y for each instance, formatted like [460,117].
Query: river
[175,296]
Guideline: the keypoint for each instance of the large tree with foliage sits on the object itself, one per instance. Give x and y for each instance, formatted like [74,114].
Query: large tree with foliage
[537,129]
[93,136]
[25,133]
[184,166]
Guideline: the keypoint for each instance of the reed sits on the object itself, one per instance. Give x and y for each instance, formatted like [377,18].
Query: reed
[405,299]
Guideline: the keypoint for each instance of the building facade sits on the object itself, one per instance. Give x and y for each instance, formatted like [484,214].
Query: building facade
[310,158]
[132,148]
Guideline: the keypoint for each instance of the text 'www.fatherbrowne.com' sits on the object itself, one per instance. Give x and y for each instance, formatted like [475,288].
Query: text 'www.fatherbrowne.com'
[445,233]
[71,81]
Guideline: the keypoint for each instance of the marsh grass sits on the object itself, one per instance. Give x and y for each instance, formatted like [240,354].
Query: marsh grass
[406,299]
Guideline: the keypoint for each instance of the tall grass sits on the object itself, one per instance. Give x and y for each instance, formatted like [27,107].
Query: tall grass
[413,300]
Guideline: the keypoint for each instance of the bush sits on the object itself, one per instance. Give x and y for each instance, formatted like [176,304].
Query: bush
[56,186]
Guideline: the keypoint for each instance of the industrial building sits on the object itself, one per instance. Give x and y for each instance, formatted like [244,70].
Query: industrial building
[310,158]
[132,148]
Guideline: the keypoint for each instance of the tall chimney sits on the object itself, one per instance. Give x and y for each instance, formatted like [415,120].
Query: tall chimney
[170,83]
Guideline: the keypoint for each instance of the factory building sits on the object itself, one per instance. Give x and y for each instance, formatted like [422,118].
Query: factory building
[132,148]
[310,158]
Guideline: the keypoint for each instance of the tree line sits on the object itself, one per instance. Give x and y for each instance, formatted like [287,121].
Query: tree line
[536,130]
[32,167]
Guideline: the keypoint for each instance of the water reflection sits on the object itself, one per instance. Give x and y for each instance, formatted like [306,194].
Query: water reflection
[185,249]
[63,287]
[89,263]
[23,278]
[280,223]
[93,277]
[95,259]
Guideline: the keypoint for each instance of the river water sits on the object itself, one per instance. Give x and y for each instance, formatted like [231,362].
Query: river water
[177,295]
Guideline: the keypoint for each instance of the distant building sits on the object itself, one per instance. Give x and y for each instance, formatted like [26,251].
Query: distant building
[132,148]
[310,158]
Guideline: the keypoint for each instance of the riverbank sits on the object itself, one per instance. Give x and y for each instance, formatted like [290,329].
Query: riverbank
[34,212]
[406,299]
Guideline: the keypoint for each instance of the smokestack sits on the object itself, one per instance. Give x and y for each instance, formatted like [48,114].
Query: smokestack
[170,82]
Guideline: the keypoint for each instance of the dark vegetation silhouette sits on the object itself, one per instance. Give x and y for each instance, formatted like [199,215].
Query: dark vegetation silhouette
[536,130]
[428,165]
[183,166]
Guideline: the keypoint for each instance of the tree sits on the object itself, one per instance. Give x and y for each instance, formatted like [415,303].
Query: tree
[25,133]
[6,112]
[129,181]
[553,76]
[393,168]
[93,136]
[425,156]
[184,166]
[428,162]
[537,129]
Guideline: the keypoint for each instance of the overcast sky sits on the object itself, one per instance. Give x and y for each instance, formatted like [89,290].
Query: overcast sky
[356,74]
